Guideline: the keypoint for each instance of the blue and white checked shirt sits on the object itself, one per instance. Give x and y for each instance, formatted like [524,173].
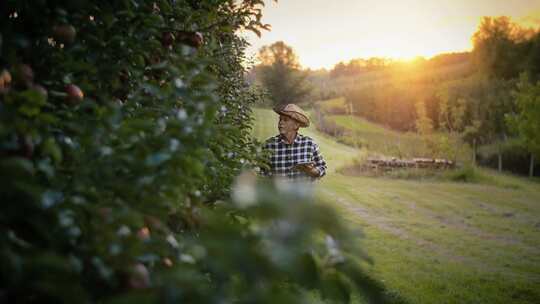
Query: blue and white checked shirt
[285,156]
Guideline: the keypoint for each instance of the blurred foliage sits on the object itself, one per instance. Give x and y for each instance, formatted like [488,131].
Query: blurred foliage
[123,125]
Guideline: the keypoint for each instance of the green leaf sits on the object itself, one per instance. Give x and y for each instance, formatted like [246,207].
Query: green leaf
[51,148]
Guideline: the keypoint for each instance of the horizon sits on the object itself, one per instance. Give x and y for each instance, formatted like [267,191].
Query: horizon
[393,60]
[400,31]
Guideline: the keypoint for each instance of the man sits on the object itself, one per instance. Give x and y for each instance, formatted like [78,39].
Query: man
[293,155]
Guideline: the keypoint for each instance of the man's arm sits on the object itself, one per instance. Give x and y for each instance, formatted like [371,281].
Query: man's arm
[318,161]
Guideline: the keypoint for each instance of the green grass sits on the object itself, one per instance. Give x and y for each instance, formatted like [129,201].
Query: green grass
[379,139]
[442,242]
[438,241]
[358,124]
[328,105]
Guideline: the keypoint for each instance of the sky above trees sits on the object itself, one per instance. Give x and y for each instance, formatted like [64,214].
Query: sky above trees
[323,32]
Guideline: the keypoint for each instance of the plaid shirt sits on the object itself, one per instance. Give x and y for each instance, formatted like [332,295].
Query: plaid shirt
[285,156]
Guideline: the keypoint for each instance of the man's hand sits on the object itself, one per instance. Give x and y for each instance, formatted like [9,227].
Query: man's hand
[309,169]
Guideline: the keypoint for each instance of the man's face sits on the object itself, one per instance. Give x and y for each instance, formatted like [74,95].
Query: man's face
[287,124]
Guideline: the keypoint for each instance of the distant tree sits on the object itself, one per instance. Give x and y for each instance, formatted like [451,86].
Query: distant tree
[352,68]
[449,59]
[455,124]
[424,126]
[281,75]
[497,103]
[532,63]
[526,120]
[481,103]
[501,47]
[338,70]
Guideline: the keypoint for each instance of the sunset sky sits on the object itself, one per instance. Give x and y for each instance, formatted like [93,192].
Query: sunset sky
[324,32]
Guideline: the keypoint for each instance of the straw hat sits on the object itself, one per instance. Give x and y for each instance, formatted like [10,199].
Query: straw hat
[294,112]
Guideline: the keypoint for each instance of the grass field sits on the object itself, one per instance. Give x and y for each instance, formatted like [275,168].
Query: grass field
[437,241]
[380,140]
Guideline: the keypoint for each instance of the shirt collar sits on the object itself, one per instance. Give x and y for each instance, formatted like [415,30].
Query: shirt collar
[296,139]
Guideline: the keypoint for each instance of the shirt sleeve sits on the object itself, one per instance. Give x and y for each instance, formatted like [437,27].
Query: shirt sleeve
[319,160]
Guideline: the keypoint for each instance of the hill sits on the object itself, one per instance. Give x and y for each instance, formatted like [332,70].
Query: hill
[359,132]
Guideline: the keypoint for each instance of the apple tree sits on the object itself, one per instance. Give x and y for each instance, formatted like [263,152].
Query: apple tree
[123,125]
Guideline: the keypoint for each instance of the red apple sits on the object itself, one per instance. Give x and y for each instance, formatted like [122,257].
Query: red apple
[154,223]
[143,233]
[74,94]
[197,39]
[167,262]
[193,39]
[139,277]
[167,39]
[5,77]
[41,90]
[64,33]
[24,75]
[5,81]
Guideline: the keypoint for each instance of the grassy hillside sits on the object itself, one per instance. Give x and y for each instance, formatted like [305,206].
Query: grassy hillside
[378,139]
[434,241]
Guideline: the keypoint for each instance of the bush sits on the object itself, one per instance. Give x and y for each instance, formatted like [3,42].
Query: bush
[123,126]
[353,141]
[467,174]
[329,127]
[336,110]
[515,158]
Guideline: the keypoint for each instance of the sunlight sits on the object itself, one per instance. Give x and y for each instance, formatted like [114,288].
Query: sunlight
[323,34]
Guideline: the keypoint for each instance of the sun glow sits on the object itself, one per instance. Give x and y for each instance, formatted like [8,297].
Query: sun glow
[324,33]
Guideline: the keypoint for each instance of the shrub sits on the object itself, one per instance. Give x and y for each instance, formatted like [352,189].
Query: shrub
[466,174]
[515,158]
[353,141]
[336,110]
[330,127]
[123,125]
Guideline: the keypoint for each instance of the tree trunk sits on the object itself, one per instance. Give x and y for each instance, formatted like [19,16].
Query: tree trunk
[531,166]
[499,156]
[458,146]
[474,152]
[399,147]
